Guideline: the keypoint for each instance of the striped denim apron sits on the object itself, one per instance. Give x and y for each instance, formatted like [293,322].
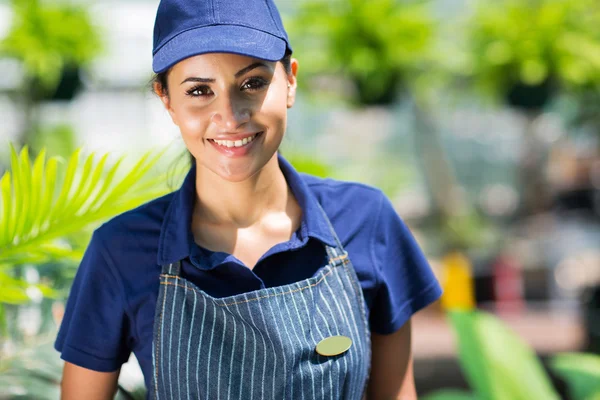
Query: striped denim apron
[261,344]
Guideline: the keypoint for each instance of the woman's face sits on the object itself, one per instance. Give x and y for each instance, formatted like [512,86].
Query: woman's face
[231,110]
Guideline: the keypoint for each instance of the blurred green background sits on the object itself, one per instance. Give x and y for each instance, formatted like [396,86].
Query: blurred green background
[479,119]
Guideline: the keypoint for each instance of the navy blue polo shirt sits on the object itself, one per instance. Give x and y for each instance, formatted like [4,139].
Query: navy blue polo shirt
[110,310]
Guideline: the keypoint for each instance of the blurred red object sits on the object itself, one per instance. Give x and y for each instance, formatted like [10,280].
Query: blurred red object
[507,284]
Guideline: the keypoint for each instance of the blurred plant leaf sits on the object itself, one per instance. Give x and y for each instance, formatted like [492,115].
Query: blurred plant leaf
[58,140]
[47,36]
[512,42]
[3,324]
[15,291]
[450,394]
[467,231]
[374,45]
[581,372]
[41,204]
[37,211]
[496,362]
[308,165]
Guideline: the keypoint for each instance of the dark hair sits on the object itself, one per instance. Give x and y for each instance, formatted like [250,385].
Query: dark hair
[161,80]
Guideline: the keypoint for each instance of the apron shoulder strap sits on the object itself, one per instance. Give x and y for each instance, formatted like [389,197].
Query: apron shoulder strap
[172,268]
[336,254]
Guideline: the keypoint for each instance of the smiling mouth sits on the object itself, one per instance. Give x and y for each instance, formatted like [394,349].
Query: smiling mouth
[236,143]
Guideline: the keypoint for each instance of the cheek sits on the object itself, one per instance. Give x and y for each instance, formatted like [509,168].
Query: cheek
[192,121]
[275,106]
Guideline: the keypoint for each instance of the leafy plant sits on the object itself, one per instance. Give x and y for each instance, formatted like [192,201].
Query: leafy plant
[492,371]
[50,37]
[499,365]
[376,45]
[521,49]
[41,203]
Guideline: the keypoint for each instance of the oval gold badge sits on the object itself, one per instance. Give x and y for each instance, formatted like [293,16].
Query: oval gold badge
[334,345]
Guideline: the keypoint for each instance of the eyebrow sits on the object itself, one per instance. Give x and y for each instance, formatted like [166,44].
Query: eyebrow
[237,74]
[250,68]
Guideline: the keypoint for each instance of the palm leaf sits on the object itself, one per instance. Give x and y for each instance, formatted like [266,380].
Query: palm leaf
[14,291]
[41,203]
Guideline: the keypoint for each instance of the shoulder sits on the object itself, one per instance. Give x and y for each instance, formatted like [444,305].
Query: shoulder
[345,199]
[145,218]
[355,211]
[128,243]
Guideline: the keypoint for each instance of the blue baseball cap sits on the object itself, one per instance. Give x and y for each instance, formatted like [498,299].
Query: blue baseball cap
[185,28]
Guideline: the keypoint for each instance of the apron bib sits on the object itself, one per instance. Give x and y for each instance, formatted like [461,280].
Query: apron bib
[262,344]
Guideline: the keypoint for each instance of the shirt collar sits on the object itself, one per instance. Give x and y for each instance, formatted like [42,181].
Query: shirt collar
[176,239]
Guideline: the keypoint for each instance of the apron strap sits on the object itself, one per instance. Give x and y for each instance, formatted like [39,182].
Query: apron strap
[172,268]
[336,254]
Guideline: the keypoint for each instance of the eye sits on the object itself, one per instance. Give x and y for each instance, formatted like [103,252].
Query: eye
[199,91]
[255,83]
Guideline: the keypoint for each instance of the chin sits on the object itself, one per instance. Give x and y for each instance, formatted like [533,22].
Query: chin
[239,171]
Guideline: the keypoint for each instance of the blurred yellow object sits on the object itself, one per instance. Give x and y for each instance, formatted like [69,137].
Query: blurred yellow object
[457,282]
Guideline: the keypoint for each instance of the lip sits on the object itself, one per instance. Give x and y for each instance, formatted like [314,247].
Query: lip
[237,151]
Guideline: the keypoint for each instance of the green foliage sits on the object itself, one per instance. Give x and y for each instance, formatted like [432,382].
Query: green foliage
[582,374]
[450,394]
[497,364]
[469,231]
[47,36]
[386,172]
[308,165]
[58,140]
[376,45]
[15,291]
[42,203]
[533,42]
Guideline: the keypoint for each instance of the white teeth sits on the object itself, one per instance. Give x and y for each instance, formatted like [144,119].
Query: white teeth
[237,143]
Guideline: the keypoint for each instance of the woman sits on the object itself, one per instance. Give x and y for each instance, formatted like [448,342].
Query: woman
[251,281]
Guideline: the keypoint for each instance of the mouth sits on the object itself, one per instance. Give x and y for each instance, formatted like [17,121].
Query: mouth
[236,143]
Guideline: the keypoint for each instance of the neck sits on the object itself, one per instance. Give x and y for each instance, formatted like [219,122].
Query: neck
[241,204]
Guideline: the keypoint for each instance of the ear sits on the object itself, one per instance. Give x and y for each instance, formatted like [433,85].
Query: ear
[292,82]
[166,100]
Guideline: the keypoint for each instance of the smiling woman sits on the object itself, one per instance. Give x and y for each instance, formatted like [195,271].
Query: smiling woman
[251,281]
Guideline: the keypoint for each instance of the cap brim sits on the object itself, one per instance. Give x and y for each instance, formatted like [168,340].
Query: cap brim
[219,39]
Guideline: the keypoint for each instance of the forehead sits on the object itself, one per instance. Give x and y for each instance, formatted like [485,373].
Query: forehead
[217,64]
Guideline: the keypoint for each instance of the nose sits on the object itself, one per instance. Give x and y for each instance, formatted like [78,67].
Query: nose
[231,113]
